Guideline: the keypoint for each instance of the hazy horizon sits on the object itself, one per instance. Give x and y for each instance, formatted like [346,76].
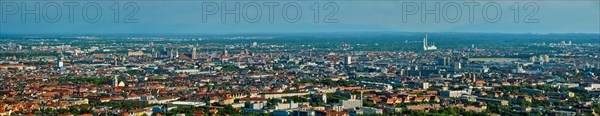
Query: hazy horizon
[195,17]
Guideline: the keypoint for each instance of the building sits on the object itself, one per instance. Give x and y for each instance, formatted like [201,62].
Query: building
[59,61]
[330,113]
[457,66]
[445,61]
[453,93]
[117,83]
[532,91]
[165,100]
[194,55]
[493,101]
[348,60]
[372,111]
[74,101]
[567,85]
[188,103]
[351,103]
[427,47]
[563,113]
[591,86]
[281,112]
[281,106]
[17,66]
[546,58]
[303,113]
[424,85]
[138,53]
[320,96]
[280,95]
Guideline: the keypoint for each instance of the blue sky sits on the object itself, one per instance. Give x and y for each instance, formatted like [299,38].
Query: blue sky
[555,16]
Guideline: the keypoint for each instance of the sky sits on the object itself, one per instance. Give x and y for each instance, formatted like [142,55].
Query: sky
[264,16]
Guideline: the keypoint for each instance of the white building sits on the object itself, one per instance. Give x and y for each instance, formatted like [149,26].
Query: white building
[351,103]
[453,93]
[188,103]
[427,47]
[592,87]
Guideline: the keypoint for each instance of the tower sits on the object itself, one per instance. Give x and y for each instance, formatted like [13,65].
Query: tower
[457,65]
[116,60]
[348,60]
[425,42]
[427,47]
[324,98]
[172,54]
[59,61]
[176,53]
[116,81]
[152,53]
[194,57]
[473,76]
[361,98]
[570,43]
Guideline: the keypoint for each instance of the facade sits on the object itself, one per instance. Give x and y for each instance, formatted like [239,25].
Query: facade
[348,60]
[452,93]
[592,86]
[74,101]
[194,55]
[138,53]
[493,101]
[303,113]
[372,111]
[280,95]
[352,103]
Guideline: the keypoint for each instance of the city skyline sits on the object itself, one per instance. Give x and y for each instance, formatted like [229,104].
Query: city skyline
[300,58]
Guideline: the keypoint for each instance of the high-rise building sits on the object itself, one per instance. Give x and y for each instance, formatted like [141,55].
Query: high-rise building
[194,57]
[570,43]
[116,60]
[176,53]
[59,61]
[457,65]
[154,53]
[445,61]
[348,60]
[115,81]
[473,76]
[172,54]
